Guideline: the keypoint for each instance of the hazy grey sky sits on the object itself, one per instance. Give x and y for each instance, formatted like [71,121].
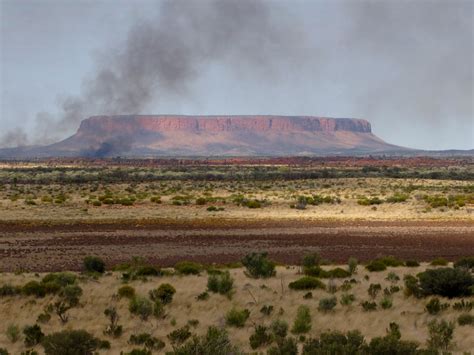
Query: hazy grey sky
[406,66]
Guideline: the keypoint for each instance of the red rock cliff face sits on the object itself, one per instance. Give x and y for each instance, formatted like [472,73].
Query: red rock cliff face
[214,124]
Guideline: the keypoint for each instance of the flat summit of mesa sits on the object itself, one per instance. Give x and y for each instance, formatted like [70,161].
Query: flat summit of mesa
[179,135]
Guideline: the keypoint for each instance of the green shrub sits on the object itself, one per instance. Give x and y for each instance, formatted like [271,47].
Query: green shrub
[352,265]
[306,283]
[279,328]
[147,270]
[260,337]
[150,342]
[33,335]
[71,342]
[4,351]
[347,299]
[158,309]
[266,310]
[364,201]
[203,296]
[327,304]
[310,260]
[369,306]
[71,294]
[392,277]
[335,342]
[13,333]
[258,265]
[466,319]
[188,268]
[412,286]
[446,282]
[34,288]
[391,261]
[397,198]
[463,305]
[237,317]
[215,342]
[163,293]
[113,329]
[285,346]
[440,334]
[220,283]
[439,262]
[141,307]
[376,265]
[390,344]
[467,263]
[308,295]
[126,292]
[412,263]
[302,323]
[434,306]
[374,290]
[9,290]
[60,278]
[94,264]
[180,335]
[386,303]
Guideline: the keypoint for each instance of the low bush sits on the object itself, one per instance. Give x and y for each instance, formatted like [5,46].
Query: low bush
[352,265]
[94,264]
[412,286]
[440,334]
[13,333]
[412,263]
[466,319]
[72,342]
[279,328]
[147,340]
[220,283]
[335,342]
[237,317]
[180,335]
[9,290]
[347,299]
[216,342]
[260,337]
[439,262]
[434,306]
[369,306]
[386,303]
[126,292]
[446,282]
[203,296]
[258,265]
[113,329]
[266,310]
[164,293]
[465,306]
[285,346]
[70,294]
[33,335]
[327,304]
[302,323]
[374,290]
[467,263]
[376,265]
[141,307]
[34,288]
[188,268]
[306,283]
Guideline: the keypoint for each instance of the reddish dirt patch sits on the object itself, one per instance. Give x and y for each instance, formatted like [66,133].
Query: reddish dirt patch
[61,247]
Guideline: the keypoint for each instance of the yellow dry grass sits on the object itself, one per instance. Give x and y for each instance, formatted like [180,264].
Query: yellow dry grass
[249,293]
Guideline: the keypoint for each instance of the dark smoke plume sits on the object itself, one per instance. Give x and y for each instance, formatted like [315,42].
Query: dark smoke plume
[162,57]
[110,148]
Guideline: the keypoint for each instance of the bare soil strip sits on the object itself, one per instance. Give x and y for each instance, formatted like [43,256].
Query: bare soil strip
[62,247]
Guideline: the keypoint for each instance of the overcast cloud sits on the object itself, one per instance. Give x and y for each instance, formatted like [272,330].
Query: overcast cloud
[406,66]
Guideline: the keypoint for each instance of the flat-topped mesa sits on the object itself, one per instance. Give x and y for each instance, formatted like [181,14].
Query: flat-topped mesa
[166,123]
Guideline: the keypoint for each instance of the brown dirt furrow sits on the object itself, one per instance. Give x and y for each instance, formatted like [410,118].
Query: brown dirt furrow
[63,248]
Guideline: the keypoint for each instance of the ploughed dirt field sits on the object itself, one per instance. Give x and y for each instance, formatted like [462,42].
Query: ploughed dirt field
[62,247]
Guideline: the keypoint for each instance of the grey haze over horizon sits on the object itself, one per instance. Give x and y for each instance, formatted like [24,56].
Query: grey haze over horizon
[405,66]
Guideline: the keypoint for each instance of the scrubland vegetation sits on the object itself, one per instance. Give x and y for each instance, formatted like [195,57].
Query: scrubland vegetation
[256,307]
[116,192]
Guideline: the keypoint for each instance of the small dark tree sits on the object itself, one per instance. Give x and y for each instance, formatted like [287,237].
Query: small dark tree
[258,265]
[94,264]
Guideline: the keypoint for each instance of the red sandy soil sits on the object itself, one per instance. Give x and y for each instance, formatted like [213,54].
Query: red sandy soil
[62,247]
